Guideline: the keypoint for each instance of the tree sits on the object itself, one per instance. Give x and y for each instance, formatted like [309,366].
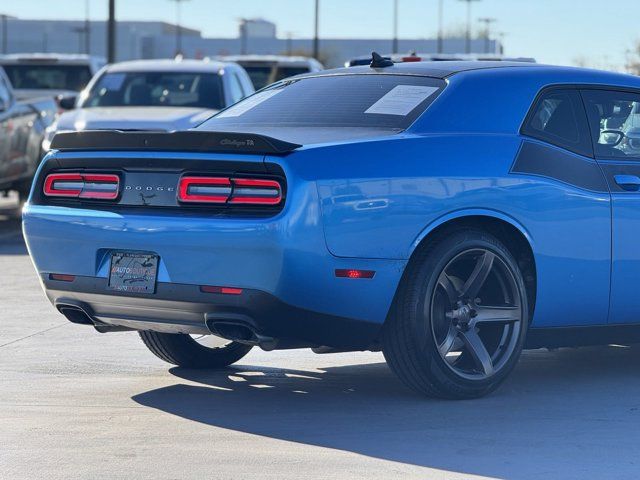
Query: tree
[633,60]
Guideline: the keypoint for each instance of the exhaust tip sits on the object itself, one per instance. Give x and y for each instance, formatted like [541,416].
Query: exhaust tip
[233,331]
[241,333]
[75,314]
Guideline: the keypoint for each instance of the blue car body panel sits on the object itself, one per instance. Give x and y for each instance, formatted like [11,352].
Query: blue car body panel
[284,255]
[410,191]
[368,204]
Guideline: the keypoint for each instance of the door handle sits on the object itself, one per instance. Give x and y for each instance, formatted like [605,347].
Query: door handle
[628,182]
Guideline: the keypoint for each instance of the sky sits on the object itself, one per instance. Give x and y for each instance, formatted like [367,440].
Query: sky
[553,31]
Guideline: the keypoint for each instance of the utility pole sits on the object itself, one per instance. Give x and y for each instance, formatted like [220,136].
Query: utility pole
[111,32]
[5,33]
[87,29]
[468,39]
[395,26]
[316,39]
[500,48]
[487,31]
[440,26]
[243,36]
[178,27]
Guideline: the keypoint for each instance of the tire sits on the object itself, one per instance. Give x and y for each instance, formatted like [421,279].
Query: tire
[183,350]
[460,288]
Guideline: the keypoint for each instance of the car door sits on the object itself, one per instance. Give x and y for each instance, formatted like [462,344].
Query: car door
[614,118]
[572,219]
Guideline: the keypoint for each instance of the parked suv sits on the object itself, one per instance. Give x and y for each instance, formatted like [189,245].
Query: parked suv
[266,69]
[159,95]
[22,127]
[56,75]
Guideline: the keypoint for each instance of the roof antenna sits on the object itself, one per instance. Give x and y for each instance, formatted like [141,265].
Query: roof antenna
[380,62]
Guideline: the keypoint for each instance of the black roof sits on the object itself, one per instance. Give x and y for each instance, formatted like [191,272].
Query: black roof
[439,69]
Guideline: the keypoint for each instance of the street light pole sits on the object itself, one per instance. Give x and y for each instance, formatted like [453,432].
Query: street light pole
[487,31]
[111,32]
[316,39]
[468,39]
[395,26]
[178,28]
[5,33]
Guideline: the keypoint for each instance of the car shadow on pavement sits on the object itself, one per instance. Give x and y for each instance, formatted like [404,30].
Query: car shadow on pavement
[567,409]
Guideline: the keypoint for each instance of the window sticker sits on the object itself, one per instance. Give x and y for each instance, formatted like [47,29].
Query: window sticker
[401,100]
[248,104]
[113,81]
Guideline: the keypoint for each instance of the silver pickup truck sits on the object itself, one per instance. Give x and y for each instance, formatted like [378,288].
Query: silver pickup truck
[22,127]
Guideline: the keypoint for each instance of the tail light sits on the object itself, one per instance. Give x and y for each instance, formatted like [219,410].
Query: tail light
[224,190]
[82,185]
[255,191]
[411,59]
[204,189]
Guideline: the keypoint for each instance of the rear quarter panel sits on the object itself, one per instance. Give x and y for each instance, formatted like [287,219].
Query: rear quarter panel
[379,199]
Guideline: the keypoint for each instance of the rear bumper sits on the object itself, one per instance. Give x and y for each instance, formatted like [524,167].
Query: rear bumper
[183,308]
[284,256]
[280,261]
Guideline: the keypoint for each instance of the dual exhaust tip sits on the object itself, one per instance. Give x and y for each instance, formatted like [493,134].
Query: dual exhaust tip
[237,330]
[242,333]
[79,315]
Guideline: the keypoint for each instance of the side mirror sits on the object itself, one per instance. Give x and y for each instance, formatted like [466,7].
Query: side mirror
[67,102]
[611,138]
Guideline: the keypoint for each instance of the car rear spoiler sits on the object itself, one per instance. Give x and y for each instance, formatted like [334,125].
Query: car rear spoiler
[183,141]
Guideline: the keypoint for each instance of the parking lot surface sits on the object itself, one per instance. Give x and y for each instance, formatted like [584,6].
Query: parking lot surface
[78,404]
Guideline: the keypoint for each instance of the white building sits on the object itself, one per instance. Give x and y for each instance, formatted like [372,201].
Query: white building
[158,40]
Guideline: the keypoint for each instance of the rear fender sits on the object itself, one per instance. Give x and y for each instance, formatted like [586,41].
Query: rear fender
[470,212]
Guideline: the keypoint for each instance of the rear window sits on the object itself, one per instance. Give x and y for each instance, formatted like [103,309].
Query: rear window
[260,75]
[48,77]
[369,100]
[286,72]
[154,89]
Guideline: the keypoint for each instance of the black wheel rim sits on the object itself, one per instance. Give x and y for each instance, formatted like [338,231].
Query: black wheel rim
[476,314]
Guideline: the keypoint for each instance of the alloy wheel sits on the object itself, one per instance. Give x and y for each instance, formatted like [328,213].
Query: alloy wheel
[476,314]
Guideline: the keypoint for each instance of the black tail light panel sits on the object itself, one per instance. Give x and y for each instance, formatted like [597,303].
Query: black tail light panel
[206,187]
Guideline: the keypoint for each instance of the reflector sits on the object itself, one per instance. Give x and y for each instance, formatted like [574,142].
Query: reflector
[353,273]
[223,290]
[61,277]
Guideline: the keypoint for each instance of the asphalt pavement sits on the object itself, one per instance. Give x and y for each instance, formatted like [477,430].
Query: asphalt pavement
[76,404]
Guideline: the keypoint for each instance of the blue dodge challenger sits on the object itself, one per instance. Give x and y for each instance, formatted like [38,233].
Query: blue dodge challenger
[449,214]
